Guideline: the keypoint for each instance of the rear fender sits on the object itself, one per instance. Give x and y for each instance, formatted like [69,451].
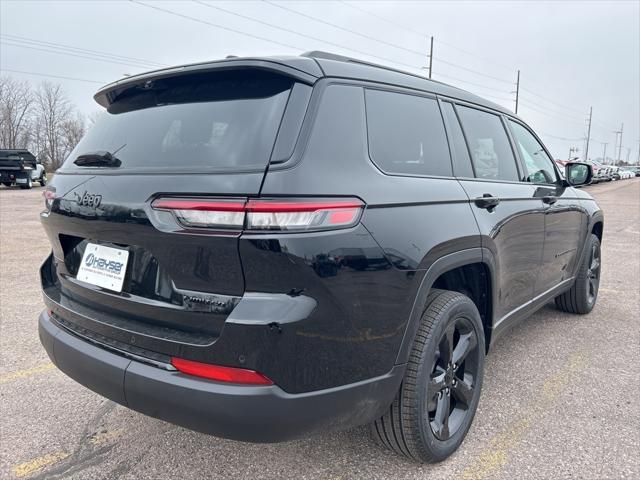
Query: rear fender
[440,266]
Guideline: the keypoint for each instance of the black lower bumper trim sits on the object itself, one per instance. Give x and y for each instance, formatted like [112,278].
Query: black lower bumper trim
[246,413]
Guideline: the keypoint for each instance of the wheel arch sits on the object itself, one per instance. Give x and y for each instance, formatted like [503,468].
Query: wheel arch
[451,271]
[597,227]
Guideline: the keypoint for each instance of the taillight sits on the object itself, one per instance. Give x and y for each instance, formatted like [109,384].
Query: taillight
[264,214]
[220,373]
[204,213]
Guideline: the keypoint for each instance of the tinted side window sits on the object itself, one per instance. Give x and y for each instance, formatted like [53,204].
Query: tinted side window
[538,164]
[490,149]
[406,134]
[461,159]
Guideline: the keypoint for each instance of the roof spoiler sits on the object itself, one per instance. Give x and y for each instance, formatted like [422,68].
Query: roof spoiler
[305,72]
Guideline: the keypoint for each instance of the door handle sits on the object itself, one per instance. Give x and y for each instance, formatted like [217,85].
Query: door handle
[549,199]
[487,201]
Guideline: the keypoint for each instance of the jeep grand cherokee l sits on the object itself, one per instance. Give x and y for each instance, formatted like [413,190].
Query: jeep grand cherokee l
[262,249]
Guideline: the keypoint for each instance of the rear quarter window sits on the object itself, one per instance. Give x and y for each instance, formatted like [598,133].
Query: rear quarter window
[406,134]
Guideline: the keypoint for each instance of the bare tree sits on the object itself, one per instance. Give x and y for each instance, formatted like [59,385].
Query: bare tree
[73,129]
[44,121]
[16,108]
[93,117]
[59,126]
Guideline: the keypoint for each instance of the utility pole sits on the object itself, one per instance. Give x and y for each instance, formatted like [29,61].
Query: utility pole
[604,153]
[615,145]
[431,58]
[628,154]
[517,90]
[572,150]
[586,150]
[620,147]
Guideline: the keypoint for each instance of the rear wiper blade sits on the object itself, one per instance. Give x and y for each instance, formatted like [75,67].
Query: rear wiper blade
[101,158]
[97,159]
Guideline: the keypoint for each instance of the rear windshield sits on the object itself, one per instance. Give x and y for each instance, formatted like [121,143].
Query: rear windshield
[222,121]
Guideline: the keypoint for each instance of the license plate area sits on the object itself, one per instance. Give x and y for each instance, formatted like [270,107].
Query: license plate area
[103,266]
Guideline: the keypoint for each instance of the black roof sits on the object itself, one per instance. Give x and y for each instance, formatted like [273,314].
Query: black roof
[307,68]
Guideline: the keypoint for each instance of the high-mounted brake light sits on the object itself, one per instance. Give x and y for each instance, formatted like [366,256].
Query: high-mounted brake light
[264,214]
[220,373]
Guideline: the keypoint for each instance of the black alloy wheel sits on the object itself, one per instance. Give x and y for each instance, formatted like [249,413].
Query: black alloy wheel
[582,296]
[593,274]
[453,379]
[439,394]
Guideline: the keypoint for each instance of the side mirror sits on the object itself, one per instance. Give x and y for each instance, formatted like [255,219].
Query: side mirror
[577,173]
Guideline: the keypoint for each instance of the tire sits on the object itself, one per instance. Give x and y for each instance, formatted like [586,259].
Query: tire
[27,185]
[7,184]
[414,425]
[43,180]
[582,296]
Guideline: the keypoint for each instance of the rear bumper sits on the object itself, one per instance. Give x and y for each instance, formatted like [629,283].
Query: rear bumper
[246,413]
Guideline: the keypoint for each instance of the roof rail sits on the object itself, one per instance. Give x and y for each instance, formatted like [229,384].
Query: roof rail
[342,58]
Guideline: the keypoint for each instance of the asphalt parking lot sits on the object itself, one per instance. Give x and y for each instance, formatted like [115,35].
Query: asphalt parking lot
[560,398]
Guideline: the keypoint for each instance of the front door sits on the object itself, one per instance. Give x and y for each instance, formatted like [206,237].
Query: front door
[508,213]
[565,220]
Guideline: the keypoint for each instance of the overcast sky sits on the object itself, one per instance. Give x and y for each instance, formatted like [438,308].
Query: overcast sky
[572,55]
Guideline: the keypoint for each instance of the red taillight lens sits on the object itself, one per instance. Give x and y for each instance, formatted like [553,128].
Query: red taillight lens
[204,213]
[220,373]
[302,214]
[264,215]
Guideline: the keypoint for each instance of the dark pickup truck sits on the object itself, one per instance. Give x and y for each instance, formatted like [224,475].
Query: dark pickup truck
[22,168]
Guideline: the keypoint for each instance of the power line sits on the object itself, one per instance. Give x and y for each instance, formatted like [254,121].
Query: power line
[51,76]
[390,22]
[240,32]
[339,27]
[216,25]
[475,72]
[561,138]
[58,52]
[471,83]
[565,107]
[475,55]
[423,35]
[557,112]
[42,43]
[551,101]
[566,119]
[299,33]
[466,52]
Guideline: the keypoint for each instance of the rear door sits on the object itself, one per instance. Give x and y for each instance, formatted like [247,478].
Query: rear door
[189,139]
[509,214]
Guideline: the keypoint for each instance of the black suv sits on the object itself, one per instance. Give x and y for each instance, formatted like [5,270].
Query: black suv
[265,248]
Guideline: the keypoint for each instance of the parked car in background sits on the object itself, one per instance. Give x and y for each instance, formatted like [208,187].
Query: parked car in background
[615,173]
[636,170]
[21,167]
[267,248]
[626,173]
[602,173]
[598,173]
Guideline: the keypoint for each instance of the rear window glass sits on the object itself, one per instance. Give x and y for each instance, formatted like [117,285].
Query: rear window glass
[221,121]
[406,134]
